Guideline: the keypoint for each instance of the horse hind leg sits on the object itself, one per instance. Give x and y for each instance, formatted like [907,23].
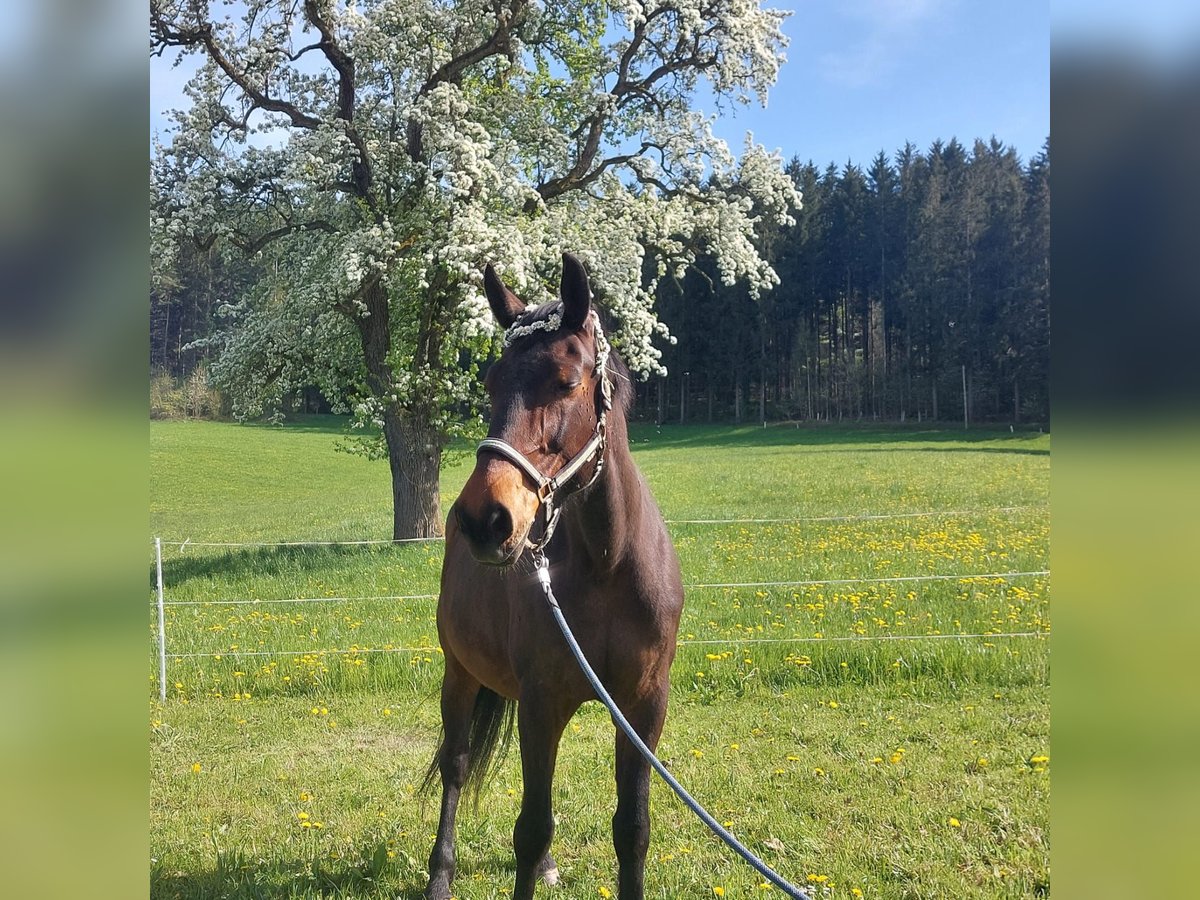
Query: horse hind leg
[459,693]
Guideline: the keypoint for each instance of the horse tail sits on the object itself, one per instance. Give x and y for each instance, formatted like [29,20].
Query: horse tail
[491,731]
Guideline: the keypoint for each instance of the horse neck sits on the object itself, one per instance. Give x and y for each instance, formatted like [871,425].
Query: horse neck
[609,516]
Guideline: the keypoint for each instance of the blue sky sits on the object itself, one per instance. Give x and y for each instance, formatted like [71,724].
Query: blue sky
[866,75]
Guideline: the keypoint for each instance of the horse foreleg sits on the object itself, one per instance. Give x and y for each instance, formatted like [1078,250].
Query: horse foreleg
[631,823]
[458,700]
[540,731]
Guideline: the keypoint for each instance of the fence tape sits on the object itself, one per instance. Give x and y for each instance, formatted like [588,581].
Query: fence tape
[726,642]
[696,586]
[188,542]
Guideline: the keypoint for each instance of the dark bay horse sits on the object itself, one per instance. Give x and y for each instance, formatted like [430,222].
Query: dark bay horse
[558,402]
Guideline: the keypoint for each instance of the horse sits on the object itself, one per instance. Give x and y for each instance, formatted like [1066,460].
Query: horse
[554,477]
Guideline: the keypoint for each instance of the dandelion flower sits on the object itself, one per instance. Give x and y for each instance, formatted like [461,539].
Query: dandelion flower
[719,891]
[954,823]
[604,892]
[196,767]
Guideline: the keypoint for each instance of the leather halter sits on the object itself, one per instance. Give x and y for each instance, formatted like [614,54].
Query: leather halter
[549,485]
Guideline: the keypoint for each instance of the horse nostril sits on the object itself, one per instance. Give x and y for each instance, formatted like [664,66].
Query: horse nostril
[498,523]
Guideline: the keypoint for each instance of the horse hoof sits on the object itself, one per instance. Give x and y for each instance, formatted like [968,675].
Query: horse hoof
[438,891]
[550,876]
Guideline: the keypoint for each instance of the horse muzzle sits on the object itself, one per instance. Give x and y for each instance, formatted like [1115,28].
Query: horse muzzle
[495,512]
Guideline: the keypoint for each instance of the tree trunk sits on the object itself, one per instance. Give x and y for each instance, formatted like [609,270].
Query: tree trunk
[415,460]
[414,446]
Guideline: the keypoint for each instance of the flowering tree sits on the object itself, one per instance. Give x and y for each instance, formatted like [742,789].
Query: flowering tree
[375,155]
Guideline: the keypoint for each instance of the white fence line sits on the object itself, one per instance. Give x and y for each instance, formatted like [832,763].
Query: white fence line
[696,586]
[726,642]
[884,580]
[299,600]
[161,603]
[856,518]
[865,517]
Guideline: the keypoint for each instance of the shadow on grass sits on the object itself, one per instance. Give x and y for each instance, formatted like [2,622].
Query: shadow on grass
[368,873]
[836,438]
[309,424]
[258,562]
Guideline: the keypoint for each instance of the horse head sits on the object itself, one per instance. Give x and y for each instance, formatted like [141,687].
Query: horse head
[549,394]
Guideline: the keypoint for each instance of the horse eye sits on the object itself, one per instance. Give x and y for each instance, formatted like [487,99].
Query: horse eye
[568,386]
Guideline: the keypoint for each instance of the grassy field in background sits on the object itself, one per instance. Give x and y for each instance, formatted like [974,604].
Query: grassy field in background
[851,756]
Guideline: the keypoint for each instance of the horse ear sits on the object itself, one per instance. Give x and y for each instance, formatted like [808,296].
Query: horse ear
[506,305]
[576,295]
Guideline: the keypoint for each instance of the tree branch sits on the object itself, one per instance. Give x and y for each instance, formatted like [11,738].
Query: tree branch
[451,72]
[680,59]
[343,64]
[166,34]
[252,246]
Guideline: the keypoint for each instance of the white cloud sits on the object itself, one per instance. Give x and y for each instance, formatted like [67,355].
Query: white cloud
[879,33]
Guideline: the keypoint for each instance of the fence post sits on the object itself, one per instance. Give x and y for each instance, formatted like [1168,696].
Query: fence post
[162,628]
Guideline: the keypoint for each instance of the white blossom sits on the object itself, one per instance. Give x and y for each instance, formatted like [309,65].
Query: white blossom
[660,182]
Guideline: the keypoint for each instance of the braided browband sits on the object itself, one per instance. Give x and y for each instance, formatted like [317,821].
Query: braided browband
[515,332]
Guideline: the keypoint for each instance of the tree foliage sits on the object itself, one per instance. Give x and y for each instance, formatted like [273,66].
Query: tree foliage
[896,282]
[370,158]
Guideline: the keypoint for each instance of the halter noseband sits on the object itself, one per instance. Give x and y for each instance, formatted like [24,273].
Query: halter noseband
[548,486]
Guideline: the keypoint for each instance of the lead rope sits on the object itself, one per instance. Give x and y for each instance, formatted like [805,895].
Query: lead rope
[542,567]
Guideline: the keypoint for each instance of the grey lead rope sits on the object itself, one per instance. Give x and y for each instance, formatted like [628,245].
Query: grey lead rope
[542,567]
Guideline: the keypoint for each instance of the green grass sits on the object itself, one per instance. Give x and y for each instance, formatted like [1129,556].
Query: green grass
[797,741]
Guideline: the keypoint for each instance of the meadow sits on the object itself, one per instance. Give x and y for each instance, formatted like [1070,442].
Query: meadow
[861,688]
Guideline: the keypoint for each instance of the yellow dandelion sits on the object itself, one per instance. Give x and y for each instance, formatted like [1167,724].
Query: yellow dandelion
[719,891]
[954,823]
[196,767]
[604,892]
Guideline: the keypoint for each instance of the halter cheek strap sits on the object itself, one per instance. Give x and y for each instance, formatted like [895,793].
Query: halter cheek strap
[549,486]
